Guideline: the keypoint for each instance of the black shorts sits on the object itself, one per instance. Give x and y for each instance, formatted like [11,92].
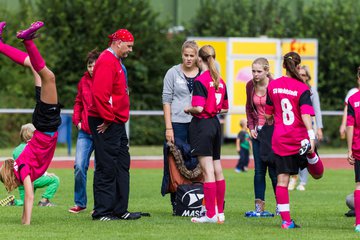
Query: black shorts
[205,137]
[290,164]
[46,117]
[357,170]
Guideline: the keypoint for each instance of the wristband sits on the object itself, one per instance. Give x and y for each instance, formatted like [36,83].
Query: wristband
[311,134]
[168,128]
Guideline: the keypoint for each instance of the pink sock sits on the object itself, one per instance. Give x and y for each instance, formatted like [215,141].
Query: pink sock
[315,165]
[13,53]
[282,198]
[210,195]
[357,206]
[36,59]
[220,195]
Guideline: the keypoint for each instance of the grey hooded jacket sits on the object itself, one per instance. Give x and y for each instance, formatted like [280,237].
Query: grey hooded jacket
[177,94]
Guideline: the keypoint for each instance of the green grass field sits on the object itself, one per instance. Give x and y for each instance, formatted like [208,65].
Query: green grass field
[226,149]
[319,210]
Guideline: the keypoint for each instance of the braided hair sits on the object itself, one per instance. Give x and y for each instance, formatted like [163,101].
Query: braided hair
[291,61]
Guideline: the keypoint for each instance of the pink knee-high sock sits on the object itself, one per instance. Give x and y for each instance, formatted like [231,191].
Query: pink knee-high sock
[210,196]
[357,206]
[315,165]
[220,195]
[36,59]
[282,198]
[14,54]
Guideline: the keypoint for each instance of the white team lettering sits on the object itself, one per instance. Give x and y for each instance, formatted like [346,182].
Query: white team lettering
[285,91]
[287,113]
[218,97]
[356,104]
[220,85]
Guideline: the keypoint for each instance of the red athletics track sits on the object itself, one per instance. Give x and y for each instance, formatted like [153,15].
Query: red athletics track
[330,162]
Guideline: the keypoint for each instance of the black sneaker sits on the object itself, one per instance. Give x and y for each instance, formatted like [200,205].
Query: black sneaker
[106,218]
[143,214]
[350,213]
[130,216]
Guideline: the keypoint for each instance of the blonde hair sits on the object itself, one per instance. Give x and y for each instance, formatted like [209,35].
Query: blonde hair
[190,44]
[243,123]
[207,54]
[27,132]
[7,175]
[266,66]
[307,71]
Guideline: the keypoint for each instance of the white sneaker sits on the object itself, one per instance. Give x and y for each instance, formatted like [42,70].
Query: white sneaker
[300,187]
[221,218]
[204,219]
[292,184]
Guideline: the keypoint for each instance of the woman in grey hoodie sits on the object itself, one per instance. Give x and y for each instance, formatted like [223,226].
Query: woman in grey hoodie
[176,95]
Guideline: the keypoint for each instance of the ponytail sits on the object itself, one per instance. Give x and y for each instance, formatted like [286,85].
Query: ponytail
[207,54]
[214,73]
[291,61]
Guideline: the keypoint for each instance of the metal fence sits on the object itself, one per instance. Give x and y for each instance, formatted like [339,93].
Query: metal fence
[135,112]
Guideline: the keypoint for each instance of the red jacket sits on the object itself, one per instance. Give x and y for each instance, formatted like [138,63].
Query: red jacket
[251,113]
[110,93]
[82,102]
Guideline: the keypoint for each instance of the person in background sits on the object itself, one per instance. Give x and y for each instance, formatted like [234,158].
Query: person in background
[353,143]
[177,89]
[293,141]
[261,133]
[318,126]
[209,99]
[85,142]
[342,128]
[243,144]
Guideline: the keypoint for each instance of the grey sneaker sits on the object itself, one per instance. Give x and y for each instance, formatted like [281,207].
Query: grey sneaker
[47,203]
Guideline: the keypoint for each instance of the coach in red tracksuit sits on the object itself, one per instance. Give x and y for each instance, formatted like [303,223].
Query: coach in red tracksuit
[107,117]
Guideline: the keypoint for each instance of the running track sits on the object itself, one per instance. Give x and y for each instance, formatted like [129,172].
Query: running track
[334,161]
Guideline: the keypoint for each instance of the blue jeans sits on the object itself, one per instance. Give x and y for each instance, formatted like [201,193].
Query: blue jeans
[84,148]
[243,159]
[260,172]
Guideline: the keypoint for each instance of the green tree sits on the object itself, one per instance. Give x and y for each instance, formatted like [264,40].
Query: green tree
[72,29]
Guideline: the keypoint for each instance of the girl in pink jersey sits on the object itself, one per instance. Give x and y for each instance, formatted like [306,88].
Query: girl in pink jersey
[209,99]
[353,142]
[342,127]
[289,103]
[38,153]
